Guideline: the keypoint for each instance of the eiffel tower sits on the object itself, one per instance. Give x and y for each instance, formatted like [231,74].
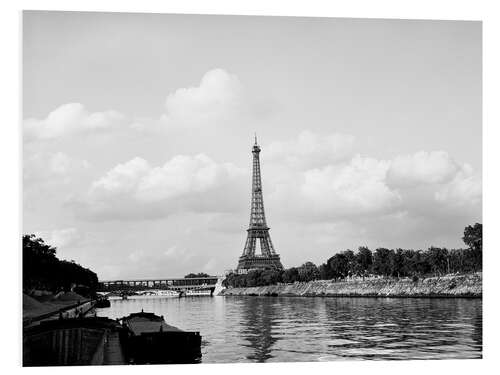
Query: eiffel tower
[258,229]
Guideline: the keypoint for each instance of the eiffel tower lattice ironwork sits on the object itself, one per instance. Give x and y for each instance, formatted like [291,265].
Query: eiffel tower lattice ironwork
[258,231]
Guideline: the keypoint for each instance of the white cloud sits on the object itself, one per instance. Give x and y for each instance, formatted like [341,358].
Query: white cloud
[210,265]
[311,150]
[358,187]
[138,190]
[172,251]
[464,190]
[180,175]
[339,191]
[123,178]
[69,119]
[180,255]
[422,168]
[427,178]
[348,189]
[136,256]
[109,272]
[59,163]
[220,98]
[51,168]
[60,238]
[184,174]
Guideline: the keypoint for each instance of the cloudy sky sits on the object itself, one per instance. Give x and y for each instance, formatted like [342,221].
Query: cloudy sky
[138,132]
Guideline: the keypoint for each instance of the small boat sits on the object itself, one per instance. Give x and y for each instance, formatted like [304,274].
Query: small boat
[155,294]
[102,302]
[148,339]
[112,296]
[167,293]
[198,292]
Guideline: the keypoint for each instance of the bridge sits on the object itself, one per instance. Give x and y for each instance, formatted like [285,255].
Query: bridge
[180,284]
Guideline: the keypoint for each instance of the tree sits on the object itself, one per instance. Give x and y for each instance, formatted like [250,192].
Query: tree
[39,263]
[398,263]
[270,277]
[291,275]
[257,277]
[253,278]
[364,261]
[407,267]
[382,261]
[438,260]
[461,260]
[43,270]
[325,273]
[473,238]
[351,262]
[37,247]
[308,271]
[420,263]
[339,265]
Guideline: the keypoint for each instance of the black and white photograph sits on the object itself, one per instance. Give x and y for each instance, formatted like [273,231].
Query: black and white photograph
[220,189]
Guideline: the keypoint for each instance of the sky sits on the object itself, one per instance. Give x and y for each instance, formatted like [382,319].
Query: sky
[138,128]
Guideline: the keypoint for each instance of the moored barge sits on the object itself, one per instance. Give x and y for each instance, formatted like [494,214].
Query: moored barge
[73,342]
[148,339]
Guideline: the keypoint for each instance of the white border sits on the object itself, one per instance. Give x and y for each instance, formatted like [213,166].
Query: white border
[10,24]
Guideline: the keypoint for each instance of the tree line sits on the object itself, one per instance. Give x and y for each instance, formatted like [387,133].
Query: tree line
[44,271]
[380,262]
[196,275]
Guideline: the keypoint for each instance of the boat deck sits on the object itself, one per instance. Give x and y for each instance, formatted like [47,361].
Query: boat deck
[139,325]
[113,351]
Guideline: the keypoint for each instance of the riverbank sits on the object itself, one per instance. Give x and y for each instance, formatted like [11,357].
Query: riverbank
[470,285]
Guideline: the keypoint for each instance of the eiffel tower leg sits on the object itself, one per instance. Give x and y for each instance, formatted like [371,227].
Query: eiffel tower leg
[249,249]
[264,246]
[252,247]
[271,247]
[246,249]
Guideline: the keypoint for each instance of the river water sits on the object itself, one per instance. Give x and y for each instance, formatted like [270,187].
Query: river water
[293,329]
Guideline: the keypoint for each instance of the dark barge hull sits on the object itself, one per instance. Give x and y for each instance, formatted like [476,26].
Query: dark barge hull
[142,338]
[150,340]
[72,342]
[102,302]
[164,348]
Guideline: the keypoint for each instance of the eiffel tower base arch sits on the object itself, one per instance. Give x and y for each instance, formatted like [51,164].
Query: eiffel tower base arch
[248,262]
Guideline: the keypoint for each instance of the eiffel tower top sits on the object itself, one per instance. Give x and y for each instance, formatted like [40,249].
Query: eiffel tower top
[256,147]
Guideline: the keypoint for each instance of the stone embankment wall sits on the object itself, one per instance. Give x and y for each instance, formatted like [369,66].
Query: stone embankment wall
[445,286]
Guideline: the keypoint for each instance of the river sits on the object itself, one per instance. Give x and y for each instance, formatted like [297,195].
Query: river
[293,329]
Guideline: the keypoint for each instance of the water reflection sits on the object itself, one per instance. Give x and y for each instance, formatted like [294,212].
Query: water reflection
[256,328]
[285,329]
